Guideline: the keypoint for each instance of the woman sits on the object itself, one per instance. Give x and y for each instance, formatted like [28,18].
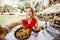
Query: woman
[29,22]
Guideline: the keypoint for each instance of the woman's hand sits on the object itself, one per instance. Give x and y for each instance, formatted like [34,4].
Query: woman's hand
[37,28]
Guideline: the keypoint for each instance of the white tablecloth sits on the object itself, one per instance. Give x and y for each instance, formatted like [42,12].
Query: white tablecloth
[42,35]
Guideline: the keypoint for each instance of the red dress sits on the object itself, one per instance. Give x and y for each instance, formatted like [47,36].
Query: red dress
[32,23]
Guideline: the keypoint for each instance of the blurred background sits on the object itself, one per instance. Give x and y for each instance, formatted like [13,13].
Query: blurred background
[16,7]
[47,13]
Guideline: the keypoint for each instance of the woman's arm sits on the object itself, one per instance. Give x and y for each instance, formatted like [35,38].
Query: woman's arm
[12,25]
[37,29]
[36,26]
[4,30]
